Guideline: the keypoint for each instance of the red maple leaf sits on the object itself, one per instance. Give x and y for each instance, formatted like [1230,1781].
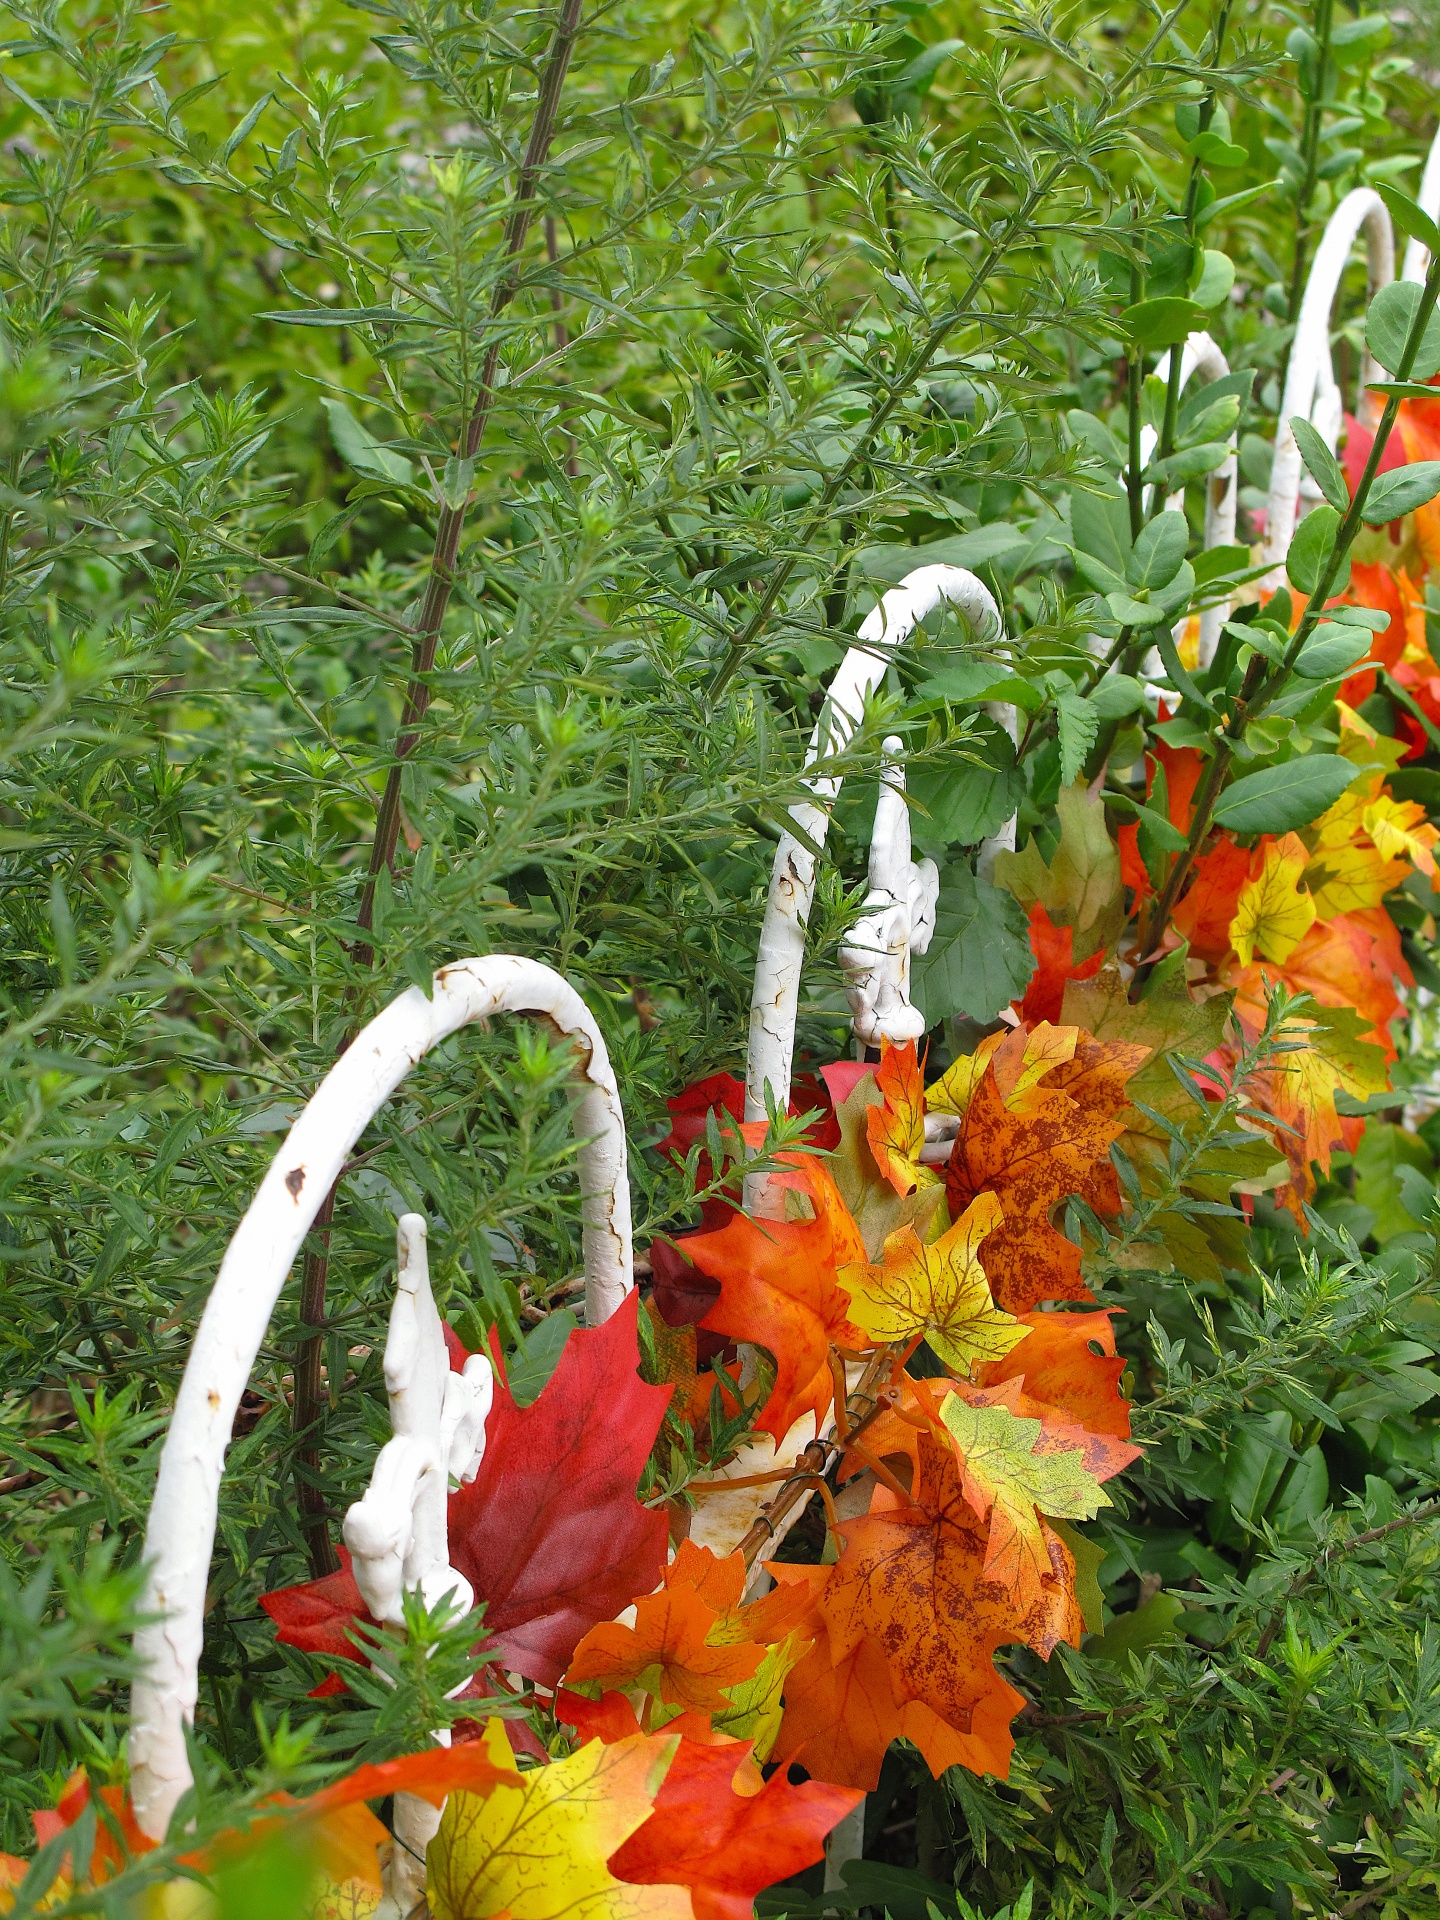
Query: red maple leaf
[1053,948]
[549,1533]
[316,1616]
[707,1833]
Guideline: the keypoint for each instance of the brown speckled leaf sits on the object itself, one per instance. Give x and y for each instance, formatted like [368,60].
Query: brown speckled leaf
[1035,1160]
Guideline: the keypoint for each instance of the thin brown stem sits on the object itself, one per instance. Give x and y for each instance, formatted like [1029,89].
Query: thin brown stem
[562,334]
[816,1459]
[309,1403]
[441,583]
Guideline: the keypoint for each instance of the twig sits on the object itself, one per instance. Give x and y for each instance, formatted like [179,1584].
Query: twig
[452,519]
[315,1273]
[1429,1510]
[815,1460]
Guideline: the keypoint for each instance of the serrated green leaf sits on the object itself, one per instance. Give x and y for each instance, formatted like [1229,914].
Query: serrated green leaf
[979,957]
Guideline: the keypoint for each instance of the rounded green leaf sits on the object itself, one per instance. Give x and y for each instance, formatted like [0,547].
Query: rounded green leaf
[1387,328]
[1159,551]
[1310,549]
[1279,799]
[1331,649]
[1217,276]
[1161,323]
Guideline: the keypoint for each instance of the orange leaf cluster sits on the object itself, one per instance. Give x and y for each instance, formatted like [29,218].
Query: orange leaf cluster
[1035,1158]
[778,1288]
[692,1643]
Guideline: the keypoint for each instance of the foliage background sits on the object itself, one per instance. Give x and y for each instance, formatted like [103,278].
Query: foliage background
[815,301]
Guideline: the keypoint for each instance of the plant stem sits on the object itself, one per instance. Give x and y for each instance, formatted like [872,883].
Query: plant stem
[441,583]
[1134,381]
[1428,1510]
[1267,687]
[895,389]
[1310,157]
[1192,196]
[309,1399]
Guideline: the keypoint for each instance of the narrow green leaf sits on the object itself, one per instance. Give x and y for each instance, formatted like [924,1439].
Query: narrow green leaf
[1324,469]
[1400,491]
[1281,798]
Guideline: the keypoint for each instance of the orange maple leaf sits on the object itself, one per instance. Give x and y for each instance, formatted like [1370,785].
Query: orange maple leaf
[911,1622]
[1353,960]
[1069,1361]
[778,1288]
[668,1651]
[895,1129]
[1203,917]
[716,1829]
[1055,965]
[1055,1147]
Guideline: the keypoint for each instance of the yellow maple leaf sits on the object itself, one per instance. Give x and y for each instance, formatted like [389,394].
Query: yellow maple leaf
[1401,831]
[1364,744]
[1272,916]
[1016,1470]
[1023,1065]
[1350,879]
[951,1092]
[939,1290]
[1327,1056]
[537,1849]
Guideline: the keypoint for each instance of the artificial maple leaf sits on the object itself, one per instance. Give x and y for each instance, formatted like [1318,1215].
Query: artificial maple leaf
[1299,1088]
[910,1623]
[1374,585]
[778,1289]
[1022,1056]
[535,1846]
[1364,846]
[939,1291]
[1059,1363]
[549,1533]
[1057,1146]
[675,1365]
[727,1846]
[1352,961]
[951,1092]
[1170,1022]
[716,1828]
[1053,948]
[1401,830]
[1081,887]
[1018,1468]
[316,1616]
[1204,915]
[671,1651]
[895,1129]
[1272,915]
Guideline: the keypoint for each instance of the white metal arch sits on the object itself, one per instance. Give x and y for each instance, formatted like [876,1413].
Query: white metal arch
[1310,387]
[180,1535]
